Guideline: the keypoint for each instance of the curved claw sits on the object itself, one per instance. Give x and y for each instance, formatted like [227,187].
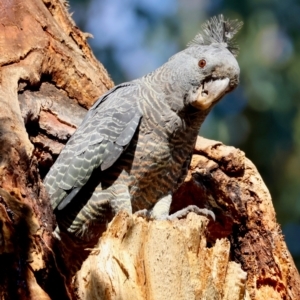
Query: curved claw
[144,213]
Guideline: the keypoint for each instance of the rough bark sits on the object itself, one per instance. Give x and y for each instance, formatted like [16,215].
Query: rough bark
[49,77]
[48,74]
[222,178]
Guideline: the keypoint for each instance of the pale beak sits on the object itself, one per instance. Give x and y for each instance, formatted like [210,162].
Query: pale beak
[210,92]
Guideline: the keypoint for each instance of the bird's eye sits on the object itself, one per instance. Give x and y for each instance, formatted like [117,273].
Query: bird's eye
[202,63]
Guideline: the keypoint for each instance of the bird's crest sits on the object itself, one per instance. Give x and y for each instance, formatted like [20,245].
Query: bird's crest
[218,30]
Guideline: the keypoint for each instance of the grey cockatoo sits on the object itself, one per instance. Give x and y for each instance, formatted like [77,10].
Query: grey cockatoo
[134,146]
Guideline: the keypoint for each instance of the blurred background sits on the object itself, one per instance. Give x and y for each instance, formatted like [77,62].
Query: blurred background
[261,117]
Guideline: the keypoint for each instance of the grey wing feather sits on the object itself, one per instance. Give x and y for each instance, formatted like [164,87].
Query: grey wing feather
[99,141]
[126,135]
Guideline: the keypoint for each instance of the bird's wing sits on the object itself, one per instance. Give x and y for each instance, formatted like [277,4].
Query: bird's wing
[101,138]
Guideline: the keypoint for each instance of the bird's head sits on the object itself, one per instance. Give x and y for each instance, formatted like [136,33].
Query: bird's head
[207,69]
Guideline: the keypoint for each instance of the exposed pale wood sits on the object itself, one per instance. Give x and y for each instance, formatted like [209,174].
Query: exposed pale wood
[137,259]
[49,77]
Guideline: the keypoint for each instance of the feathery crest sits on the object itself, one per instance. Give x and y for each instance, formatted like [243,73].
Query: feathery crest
[218,30]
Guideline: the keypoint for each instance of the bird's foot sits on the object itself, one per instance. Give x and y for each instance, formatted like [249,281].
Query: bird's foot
[144,213]
[192,208]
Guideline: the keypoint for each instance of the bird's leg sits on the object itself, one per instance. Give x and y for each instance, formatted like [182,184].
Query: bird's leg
[103,205]
[121,199]
[160,211]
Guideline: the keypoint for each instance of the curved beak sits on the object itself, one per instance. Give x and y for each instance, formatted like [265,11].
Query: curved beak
[209,92]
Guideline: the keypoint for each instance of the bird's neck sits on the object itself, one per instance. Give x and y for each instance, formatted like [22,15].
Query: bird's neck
[166,87]
[193,117]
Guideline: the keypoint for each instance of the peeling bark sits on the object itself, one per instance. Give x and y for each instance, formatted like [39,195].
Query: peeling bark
[222,179]
[48,78]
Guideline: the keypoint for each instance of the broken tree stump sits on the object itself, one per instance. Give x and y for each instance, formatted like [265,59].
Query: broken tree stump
[240,255]
[137,259]
[49,77]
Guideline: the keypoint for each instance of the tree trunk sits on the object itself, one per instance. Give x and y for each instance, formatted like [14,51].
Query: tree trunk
[49,77]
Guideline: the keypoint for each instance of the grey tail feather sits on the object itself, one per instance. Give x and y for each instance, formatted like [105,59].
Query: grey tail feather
[68,199]
[218,30]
